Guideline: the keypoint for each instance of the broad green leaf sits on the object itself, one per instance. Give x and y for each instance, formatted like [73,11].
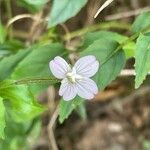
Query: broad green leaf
[66,108]
[12,45]
[16,134]
[142,59]
[8,64]
[62,10]
[129,48]
[141,22]
[111,61]
[89,38]
[36,64]
[2,34]
[20,104]
[2,119]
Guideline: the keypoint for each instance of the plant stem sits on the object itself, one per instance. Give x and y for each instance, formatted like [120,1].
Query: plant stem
[9,14]
[37,80]
[104,26]
[31,81]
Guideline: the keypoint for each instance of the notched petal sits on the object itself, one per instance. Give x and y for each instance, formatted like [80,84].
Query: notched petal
[86,88]
[67,90]
[59,67]
[87,66]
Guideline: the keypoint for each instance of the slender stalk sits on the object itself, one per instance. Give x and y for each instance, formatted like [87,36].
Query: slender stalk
[31,81]
[36,80]
[104,26]
[9,14]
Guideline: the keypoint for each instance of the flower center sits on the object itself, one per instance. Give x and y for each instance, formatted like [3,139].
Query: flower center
[73,77]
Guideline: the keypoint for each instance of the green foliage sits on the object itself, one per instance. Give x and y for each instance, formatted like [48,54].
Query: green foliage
[2,118]
[66,108]
[2,33]
[129,47]
[20,136]
[20,104]
[32,5]
[112,60]
[142,59]
[10,63]
[12,45]
[36,2]
[62,10]
[36,64]
[141,22]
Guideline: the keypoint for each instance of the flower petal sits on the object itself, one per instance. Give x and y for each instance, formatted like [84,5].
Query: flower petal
[67,90]
[59,67]
[87,66]
[86,88]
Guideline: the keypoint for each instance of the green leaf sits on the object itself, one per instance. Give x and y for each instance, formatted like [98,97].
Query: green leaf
[2,34]
[66,107]
[8,64]
[36,2]
[20,104]
[10,47]
[62,10]
[111,60]
[2,119]
[32,5]
[36,64]
[129,48]
[142,59]
[141,22]
[15,134]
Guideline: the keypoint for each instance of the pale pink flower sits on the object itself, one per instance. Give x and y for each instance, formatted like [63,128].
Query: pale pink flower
[76,80]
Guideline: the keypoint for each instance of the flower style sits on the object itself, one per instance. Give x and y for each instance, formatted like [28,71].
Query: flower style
[76,80]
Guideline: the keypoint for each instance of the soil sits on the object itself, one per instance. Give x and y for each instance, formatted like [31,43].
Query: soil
[118,121]
[113,126]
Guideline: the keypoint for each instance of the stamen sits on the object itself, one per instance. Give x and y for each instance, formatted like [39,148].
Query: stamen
[72,76]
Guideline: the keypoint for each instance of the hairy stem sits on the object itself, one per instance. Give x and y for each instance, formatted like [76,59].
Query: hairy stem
[104,26]
[9,14]
[37,80]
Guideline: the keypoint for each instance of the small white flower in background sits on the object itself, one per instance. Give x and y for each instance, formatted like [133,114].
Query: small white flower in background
[76,80]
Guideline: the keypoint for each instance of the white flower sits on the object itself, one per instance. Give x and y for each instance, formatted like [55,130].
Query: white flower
[76,80]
